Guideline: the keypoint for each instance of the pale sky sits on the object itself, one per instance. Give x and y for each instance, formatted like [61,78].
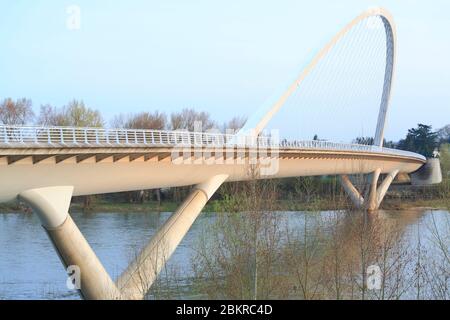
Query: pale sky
[225,57]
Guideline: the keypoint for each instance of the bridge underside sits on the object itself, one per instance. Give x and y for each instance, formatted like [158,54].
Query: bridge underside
[126,169]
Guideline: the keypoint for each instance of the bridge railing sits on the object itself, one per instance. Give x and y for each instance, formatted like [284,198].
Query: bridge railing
[48,137]
[91,137]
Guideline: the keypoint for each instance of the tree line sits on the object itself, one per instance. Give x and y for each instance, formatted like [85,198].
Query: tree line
[77,114]
[421,139]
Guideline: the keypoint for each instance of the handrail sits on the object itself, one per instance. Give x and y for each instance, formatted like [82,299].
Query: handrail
[73,137]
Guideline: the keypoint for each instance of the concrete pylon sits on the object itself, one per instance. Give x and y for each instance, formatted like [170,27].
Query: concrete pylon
[51,204]
[372,203]
[355,196]
[384,186]
[137,279]
[375,194]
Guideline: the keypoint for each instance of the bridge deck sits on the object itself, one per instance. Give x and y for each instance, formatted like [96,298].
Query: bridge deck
[95,160]
[20,140]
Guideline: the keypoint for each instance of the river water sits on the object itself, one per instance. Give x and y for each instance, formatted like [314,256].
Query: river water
[30,268]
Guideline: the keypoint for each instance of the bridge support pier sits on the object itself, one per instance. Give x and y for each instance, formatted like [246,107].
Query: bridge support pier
[372,203]
[384,186]
[375,194]
[353,193]
[137,279]
[51,204]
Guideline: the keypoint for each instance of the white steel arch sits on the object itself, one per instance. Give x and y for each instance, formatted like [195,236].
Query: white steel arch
[262,117]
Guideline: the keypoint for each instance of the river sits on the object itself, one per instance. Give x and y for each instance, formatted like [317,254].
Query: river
[30,268]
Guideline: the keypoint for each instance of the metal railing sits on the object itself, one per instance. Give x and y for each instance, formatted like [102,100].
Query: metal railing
[73,137]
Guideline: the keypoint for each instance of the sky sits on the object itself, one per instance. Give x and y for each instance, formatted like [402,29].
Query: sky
[224,57]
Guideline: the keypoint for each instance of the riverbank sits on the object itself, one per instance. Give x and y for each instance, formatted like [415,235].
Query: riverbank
[318,204]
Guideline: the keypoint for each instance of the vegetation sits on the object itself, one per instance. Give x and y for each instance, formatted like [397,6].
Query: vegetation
[75,114]
[250,252]
[16,112]
[444,134]
[142,120]
[444,187]
[421,140]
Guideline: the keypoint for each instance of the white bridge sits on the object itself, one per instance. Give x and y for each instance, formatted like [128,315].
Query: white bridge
[45,166]
[37,137]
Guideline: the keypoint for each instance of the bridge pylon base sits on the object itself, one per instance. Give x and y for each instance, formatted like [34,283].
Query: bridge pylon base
[51,204]
[374,195]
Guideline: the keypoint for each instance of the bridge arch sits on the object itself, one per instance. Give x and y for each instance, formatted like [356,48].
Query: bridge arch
[261,118]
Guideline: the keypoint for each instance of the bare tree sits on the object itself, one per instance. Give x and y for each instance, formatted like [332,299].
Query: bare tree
[444,133]
[17,112]
[143,120]
[51,116]
[239,255]
[187,117]
[118,121]
[438,270]
[303,259]
[235,123]
[79,115]
[75,114]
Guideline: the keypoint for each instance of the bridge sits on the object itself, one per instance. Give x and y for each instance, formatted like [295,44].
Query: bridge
[46,166]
